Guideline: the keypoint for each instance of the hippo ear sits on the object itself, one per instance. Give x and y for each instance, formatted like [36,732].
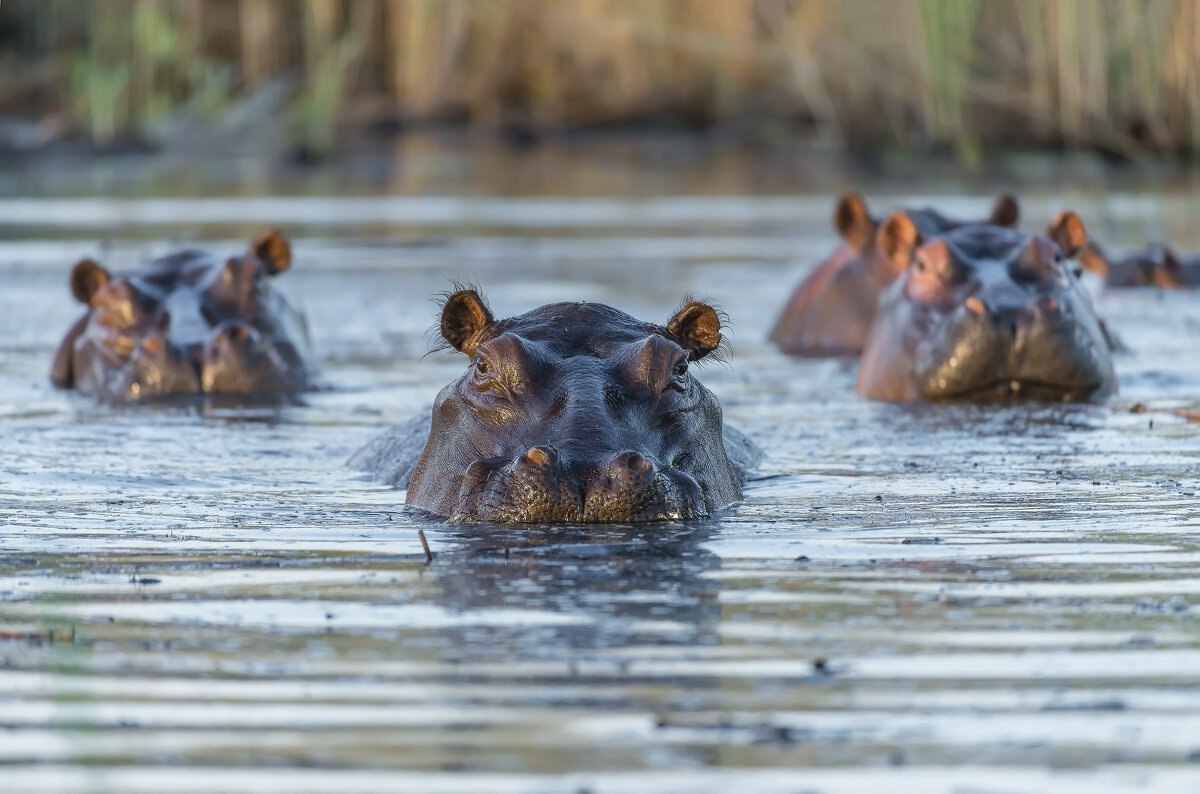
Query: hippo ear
[1093,258]
[273,249]
[898,238]
[1172,269]
[1068,231]
[697,326]
[86,278]
[1006,211]
[463,316]
[853,222]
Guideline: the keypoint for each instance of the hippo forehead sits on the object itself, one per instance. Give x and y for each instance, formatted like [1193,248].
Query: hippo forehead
[189,268]
[930,222]
[578,329]
[982,243]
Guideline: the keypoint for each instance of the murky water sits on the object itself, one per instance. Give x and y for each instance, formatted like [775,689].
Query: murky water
[911,599]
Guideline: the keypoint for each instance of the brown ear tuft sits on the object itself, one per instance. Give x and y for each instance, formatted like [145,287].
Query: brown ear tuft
[464,315]
[853,222]
[697,326]
[273,249]
[86,278]
[1006,211]
[898,238]
[1068,231]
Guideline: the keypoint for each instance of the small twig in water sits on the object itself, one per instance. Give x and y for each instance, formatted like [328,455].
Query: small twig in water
[425,545]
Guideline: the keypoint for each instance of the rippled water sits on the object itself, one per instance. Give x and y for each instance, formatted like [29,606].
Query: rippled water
[927,599]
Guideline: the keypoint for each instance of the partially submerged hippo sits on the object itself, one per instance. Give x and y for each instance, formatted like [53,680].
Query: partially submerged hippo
[831,311]
[1155,265]
[573,412]
[989,313]
[188,323]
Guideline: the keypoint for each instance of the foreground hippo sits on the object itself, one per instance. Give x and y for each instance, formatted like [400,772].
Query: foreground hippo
[989,313]
[573,412]
[186,324]
[830,313]
[1154,266]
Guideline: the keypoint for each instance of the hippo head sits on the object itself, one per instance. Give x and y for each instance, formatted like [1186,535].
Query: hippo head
[575,412]
[831,311]
[184,324]
[876,239]
[1154,266]
[989,313]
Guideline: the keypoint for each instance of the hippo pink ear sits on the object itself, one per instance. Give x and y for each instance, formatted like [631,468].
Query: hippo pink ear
[87,277]
[697,327]
[1068,231]
[853,222]
[1006,211]
[464,316]
[898,239]
[273,249]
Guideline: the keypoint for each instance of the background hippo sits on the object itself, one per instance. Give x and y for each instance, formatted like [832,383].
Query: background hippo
[187,323]
[573,412]
[1155,265]
[986,312]
[831,311]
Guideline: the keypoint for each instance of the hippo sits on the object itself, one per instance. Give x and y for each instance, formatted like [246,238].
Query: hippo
[1155,265]
[989,313]
[570,413]
[188,323]
[831,311]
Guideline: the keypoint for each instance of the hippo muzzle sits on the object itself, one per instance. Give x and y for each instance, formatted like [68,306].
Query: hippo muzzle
[1047,349]
[540,485]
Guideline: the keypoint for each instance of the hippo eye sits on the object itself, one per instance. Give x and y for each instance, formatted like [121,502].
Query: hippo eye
[481,366]
[679,376]
[1078,272]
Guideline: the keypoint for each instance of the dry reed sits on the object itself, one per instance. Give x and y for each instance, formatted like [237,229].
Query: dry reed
[1122,75]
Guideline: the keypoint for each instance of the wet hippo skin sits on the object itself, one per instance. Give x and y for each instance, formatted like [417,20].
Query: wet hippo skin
[831,311]
[1155,265]
[572,412]
[990,313]
[188,323]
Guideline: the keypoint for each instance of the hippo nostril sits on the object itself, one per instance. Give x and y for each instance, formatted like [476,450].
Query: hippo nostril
[638,463]
[237,332]
[540,456]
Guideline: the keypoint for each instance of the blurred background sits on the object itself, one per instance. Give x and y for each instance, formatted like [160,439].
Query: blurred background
[305,78]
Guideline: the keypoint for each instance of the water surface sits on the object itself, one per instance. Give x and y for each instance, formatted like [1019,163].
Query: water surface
[946,598]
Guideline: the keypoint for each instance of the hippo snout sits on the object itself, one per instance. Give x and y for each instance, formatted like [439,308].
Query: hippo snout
[542,485]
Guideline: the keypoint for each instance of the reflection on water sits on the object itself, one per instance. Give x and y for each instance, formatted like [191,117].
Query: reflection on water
[931,598]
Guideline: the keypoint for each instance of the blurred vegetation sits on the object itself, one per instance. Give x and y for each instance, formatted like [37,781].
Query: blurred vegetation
[1117,75]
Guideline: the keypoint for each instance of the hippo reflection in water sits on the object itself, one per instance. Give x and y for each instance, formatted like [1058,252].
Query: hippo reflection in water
[831,311]
[186,324]
[986,313]
[573,412]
